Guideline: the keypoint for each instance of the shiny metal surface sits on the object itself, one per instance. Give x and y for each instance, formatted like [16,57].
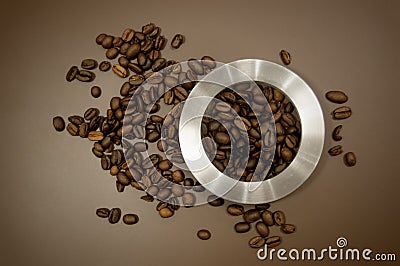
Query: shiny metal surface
[295,174]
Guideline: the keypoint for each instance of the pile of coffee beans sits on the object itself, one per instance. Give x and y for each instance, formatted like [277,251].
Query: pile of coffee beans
[340,113]
[262,219]
[137,55]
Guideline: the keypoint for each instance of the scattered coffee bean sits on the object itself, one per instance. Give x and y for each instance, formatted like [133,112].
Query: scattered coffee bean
[251,216]
[288,228]
[204,234]
[177,41]
[336,133]
[349,159]
[105,66]
[267,218]
[215,201]
[95,91]
[279,218]
[89,64]
[102,212]
[130,219]
[120,71]
[95,135]
[256,242]
[242,227]
[114,216]
[341,113]
[285,57]
[72,73]
[58,123]
[336,96]
[335,150]
[72,129]
[273,241]
[235,209]
[262,206]
[166,212]
[262,229]
[85,76]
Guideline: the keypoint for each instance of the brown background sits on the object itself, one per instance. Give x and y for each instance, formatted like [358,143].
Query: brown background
[51,184]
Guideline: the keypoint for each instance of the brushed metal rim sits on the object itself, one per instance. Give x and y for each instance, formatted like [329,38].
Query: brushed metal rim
[310,149]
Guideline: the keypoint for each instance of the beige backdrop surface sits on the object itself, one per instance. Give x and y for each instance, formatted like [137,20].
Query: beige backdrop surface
[51,184]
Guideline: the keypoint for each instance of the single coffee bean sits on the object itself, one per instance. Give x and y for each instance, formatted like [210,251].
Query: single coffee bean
[105,162]
[132,51]
[76,119]
[341,113]
[336,96]
[166,212]
[107,42]
[120,187]
[196,66]
[288,228]
[251,216]
[147,198]
[72,129]
[273,241]
[222,138]
[188,199]
[102,212]
[115,215]
[100,38]
[336,133]
[235,209]
[89,64]
[159,64]
[335,150]
[120,71]
[112,53]
[279,218]
[178,176]
[105,66]
[242,227]
[256,242]
[72,73]
[95,135]
[215,201]
[135,68]
[350,159]
[127,35]
[204,234]
[130,219]
[267,218]
[91,113]
[262,229]
[177,41]
[95,91]
[85,76]
[262,206]
[285,57]
[123,179]
[208,61]
[165,165]
[58,123]
[148,28]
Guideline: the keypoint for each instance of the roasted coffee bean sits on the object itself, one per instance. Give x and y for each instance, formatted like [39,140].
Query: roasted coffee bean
[135,68]
[91,113]
[72,129]
[58,123]
[114,216]
[76,119]
[285,57]
[235,209]
[208,61]
[153,136]
[147,198]
[196,66]
[140,146]
[85,76]
[349,159]
[262,229]
[105,66]
[178,176]
[222,138]
[100,38]
[120,71]
[188,199]
[165,165]
[273,241]
[132,51]
[262,206]
[177,41]
[215,201]
[120,187]
[166,212]
[242,227]
[336,96]
[160,42]
[107,42]
[288,228]
[105,162]
[72,73]
[112,53]
[95,135]
[123,61]
[95,91]
[103,212]
[336,133]
[89,64]
[136,80]
[148,28]
[335,150]
[177,190]
[256,242]
[130,219]
[159,64]
[204,234]
[341,113]
[267,218]
[123,179]
[279,218]
[251,216]
[127,35]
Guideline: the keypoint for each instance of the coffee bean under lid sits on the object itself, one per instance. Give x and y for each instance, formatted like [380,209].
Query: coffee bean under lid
[312,140]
